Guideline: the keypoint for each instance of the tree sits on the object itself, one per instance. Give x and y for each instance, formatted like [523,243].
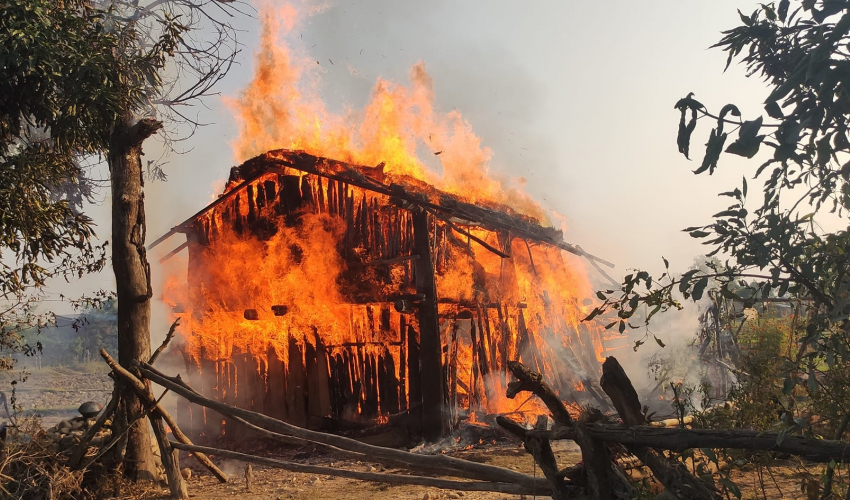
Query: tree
[780,245]
[87,81]
[153,32]
[60,93]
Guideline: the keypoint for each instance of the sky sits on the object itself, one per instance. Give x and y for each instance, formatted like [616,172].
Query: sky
[576,98]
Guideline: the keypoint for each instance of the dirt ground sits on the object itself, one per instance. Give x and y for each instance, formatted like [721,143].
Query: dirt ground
[782,482]
[273,484]
[55,393]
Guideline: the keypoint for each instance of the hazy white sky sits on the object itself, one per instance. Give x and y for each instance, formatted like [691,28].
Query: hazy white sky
[575,97]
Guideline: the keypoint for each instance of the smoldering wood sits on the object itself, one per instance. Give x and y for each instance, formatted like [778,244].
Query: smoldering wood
[257,383]
[295,385]
[528,380]
[402,363]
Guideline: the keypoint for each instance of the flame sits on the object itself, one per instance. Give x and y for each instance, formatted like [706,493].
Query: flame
[287,284]
[280,108]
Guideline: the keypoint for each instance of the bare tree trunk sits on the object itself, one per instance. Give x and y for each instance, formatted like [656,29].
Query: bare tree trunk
[132,279]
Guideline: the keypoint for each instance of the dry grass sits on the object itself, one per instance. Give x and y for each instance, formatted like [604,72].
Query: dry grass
[31,470]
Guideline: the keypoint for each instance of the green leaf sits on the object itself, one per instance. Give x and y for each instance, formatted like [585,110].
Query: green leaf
[773,110]
[683,138]
[748,141]
[594,313]
[783,9]
[788,386]
[712,151]
[699,288]
[731,486]
[659,342]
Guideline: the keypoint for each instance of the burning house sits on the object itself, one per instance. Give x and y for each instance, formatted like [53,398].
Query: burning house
[324,293]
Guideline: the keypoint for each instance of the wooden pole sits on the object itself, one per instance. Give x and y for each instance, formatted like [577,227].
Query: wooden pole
[433,424]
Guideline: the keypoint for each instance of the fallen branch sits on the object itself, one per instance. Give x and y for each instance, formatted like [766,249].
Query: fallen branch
[170,462]
[673,475]
[541,450]
[267,433]
[148,399]
[449,465]
[533,382]
[677,439]
[168,337]
[508,488]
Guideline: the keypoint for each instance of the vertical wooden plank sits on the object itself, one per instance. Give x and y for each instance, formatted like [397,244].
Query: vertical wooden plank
[370,399]
[352,391]
[389,399]
[307,192]
[320,194]
[312,391]
[332,197]
[433,425]
[252,214]
[335,383]
[296,385]
[323,378]
[341,188]
[275,386]
[402,362]
[414,379]
[258,384]
[452,378]
[475,368]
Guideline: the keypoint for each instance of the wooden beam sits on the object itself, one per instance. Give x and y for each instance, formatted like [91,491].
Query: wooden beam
[430,355]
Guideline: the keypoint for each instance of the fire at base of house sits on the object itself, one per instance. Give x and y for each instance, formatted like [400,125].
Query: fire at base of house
[328,294]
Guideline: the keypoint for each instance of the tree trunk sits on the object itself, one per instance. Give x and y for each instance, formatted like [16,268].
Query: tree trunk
[132,279]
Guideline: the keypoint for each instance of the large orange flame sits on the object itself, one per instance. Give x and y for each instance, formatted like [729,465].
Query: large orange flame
[281,109]
[528,307]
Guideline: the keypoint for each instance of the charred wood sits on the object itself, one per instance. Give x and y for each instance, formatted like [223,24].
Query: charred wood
[533,382]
